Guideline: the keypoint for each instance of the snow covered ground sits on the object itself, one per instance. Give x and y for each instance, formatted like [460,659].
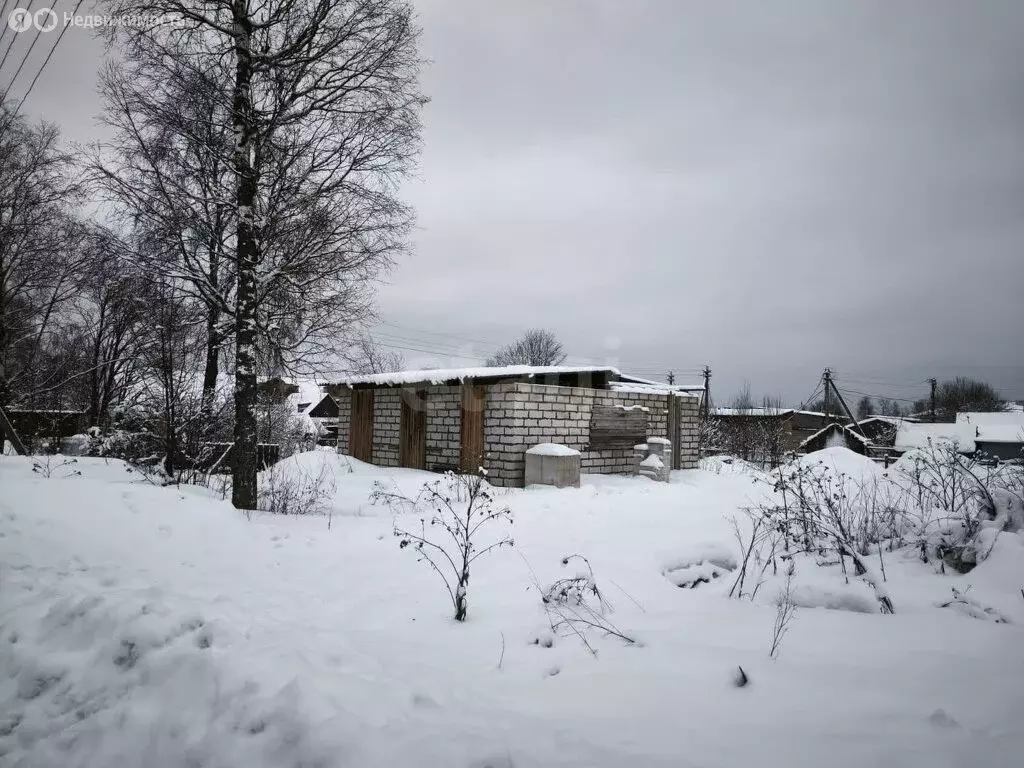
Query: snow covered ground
[155,626]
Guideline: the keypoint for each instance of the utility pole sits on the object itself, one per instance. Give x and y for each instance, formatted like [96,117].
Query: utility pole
[826,382]
[932,382]
[842,401]
[707,391]
[671,378]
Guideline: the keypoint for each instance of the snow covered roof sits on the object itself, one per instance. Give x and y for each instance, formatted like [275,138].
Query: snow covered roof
[891,420]
[910,436]
[652,389]
[628,378]
[995,418]
[1001,433]
[846,429]
[441,375]
[752,411]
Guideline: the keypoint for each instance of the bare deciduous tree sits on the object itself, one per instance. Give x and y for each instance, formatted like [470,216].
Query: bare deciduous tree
[865,407]
[536,347]
[42,257]
[324,120]
[965,394]
[369,357]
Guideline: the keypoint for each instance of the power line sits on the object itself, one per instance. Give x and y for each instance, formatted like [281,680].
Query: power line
[878,397]
[46,60]
[4,28]
[14,37]
[24,58]
[406,342]
[810,398]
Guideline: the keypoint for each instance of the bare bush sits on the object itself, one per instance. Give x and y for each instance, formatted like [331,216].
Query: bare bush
[955,498]
[785,609]
[820,512]
[291,490]
[47,464]
[753,557]
[457,512]
[575,606]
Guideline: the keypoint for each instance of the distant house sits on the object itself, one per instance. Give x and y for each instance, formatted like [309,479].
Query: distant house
[881,430]
[793,425]
[466,418]
[837,435]
[325,413]
[999,434]
[910,436]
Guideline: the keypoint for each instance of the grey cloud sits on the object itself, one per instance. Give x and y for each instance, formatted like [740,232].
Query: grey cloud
[769,188]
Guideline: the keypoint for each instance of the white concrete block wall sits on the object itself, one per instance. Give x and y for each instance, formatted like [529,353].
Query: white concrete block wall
[444,421]
[521,415]
[516,417]
[343,397]
[387,416]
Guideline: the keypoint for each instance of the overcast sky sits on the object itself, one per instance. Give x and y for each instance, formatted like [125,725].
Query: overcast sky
[766,188]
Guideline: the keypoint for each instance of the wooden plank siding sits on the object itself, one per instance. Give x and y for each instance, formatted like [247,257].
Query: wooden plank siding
[471,428]
[360,432]
[412,440]
[673,431]
[612,428]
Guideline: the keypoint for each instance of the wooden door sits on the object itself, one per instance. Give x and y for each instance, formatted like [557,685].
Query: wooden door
[471,432]
[673,431]
[360,426]
[412,435]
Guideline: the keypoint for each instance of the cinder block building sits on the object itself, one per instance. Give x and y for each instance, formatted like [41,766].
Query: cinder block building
[466,418]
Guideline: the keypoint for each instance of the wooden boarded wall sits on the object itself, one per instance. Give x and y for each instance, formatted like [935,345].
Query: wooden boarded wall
[471,430]
[412,440]
[360,432]
[617,427]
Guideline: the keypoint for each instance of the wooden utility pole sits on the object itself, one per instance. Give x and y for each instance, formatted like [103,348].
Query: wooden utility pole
[671,378]
[706,404]
[7,433]
[933,383]
[829,383]
[826,382]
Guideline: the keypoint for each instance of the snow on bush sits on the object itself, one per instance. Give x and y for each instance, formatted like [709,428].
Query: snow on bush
[303,484]
[835,508]
[576,607]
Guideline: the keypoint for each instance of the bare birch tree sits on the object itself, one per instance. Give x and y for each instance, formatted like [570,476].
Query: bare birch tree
[324,120]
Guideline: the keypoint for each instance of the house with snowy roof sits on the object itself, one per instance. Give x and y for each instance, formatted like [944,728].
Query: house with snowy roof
[911,436]
[463,419]
[998,434]
[794,425]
